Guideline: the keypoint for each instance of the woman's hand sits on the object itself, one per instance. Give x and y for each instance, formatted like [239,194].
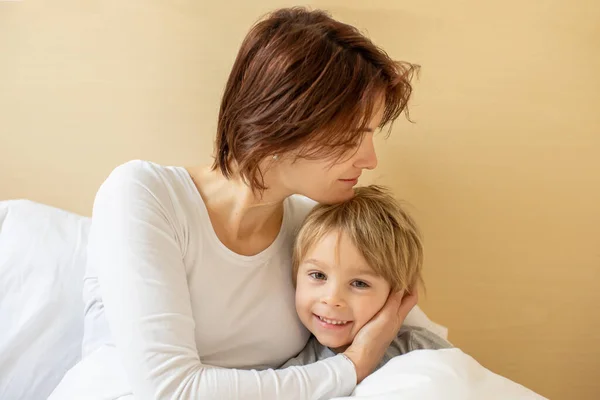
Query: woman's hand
[373,339]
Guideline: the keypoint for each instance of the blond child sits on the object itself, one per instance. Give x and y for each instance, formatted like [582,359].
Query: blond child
[348,258]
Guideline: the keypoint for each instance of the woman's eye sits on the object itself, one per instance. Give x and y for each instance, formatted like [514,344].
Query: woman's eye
[360,284]
[317,275]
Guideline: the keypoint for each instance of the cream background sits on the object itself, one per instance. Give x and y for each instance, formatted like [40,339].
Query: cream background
[502,167]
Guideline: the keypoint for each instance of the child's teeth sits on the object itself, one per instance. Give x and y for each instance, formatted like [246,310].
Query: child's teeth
[330,321]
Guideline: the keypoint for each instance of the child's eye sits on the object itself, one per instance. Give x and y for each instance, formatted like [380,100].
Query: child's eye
[317,275]
[360,284]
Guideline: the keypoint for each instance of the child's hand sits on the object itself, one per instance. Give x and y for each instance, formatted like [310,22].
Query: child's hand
[373,339]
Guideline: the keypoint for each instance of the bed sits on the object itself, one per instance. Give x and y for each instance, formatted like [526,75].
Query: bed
[42,260]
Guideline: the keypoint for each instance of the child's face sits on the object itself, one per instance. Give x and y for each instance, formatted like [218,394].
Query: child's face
[337,292]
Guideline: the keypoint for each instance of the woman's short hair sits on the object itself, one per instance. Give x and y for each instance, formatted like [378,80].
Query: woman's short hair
[305,82]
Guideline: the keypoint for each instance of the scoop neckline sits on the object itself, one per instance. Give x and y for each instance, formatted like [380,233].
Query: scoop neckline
[207,227]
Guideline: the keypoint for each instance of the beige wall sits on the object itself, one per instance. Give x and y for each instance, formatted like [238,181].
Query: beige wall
[502,166]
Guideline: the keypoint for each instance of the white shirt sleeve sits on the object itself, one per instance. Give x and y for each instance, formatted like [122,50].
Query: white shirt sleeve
[136,249]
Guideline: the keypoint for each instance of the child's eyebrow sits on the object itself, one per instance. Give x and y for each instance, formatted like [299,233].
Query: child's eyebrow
[316,263]
[363,271]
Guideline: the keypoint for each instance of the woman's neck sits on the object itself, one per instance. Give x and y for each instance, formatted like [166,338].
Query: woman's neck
[237,212]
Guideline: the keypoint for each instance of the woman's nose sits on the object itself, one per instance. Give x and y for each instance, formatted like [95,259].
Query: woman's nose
[366,157]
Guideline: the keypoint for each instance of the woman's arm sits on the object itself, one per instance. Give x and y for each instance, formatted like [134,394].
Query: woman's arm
[373,339]
[137,252]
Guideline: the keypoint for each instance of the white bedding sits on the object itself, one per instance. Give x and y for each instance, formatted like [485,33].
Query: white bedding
[446,374]
[42,254]
[42,261]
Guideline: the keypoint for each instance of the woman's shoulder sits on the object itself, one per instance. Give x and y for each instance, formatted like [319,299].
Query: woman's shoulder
[144,172]
[149,175]
[141,181]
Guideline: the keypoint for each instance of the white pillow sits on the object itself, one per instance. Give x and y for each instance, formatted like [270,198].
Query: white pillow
[42,261]
[416,317]
[447,374]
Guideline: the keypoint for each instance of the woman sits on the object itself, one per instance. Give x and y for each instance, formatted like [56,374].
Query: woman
[189,269]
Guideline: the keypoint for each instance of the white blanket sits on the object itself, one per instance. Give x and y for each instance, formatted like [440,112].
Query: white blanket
[438,375]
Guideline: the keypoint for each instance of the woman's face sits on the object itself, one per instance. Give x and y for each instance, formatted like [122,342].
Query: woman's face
[325,182]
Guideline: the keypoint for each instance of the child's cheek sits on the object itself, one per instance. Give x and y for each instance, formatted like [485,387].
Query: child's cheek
[303,307]
[364,311]
[356,328]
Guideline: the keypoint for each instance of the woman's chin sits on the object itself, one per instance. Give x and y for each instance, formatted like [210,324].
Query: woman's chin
[333,198]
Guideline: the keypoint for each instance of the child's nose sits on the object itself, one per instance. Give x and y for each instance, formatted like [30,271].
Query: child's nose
[333,298]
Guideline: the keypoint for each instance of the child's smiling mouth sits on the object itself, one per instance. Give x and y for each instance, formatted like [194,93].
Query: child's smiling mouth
[331,323]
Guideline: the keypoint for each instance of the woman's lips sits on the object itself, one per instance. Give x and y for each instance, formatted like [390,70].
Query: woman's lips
[352,181]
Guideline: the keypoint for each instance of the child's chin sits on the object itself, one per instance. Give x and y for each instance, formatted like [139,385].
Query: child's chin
[336,345]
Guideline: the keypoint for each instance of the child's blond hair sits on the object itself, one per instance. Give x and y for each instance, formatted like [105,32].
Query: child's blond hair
[383,232]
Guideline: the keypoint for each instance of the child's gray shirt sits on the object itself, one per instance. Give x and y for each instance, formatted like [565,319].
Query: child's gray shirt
[409,338]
